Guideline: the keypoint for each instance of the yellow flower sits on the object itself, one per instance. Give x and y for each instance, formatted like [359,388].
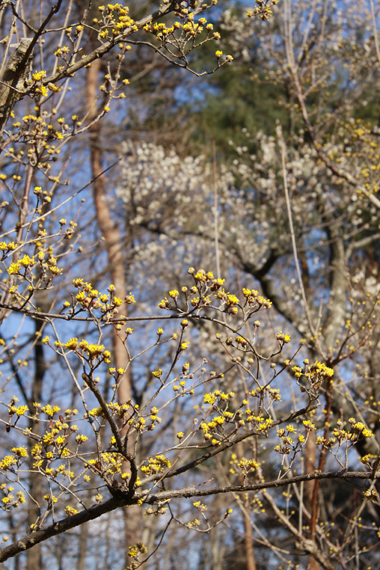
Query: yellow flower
[70,511]
[20,451]
[173,294]
[38,75]
[157,373]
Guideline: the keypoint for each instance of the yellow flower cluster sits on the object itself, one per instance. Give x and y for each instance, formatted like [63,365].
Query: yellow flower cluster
[263,9]
[156,464]
[264,425]
[19,410]
[316,372]
[111,463]
[287,442]
[38,75]
[253,297]
[25,262]
[186,30]
[204,284]
[70,511]
[358,430]
[93,353]
[50,410]
[115,20]
[8,462]
[56,438]
[10,501]
[244,465]
[7,247]
[217,396]
[38,127]
[283,338]
[20,451]
[193,524]
[135,551]
[89,298]
[119,410]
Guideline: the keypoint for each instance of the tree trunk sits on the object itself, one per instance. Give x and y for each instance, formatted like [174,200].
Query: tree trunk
[34,555]
[113,242]
[248,539]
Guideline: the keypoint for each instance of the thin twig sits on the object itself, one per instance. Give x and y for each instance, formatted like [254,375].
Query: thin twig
[216,229]
[292,234]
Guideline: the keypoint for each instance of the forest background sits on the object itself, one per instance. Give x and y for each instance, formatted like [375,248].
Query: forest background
[190,232]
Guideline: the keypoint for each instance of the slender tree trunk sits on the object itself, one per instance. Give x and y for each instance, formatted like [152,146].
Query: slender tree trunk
[34,555]
[108,228]
[83,542]
[248,539]
[248,534]
[217,561]
[310,466]
[113,243]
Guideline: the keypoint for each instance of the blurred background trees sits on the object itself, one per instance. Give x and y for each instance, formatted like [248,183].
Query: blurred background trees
[222,172]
